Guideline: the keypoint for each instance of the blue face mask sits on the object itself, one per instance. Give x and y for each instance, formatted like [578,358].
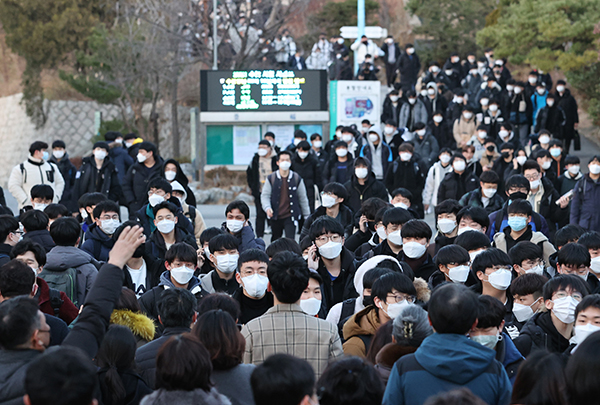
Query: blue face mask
[555,152]
[45,156]
[517,223]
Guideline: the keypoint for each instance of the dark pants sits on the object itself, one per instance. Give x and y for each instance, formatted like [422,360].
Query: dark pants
[390,73]
[567,143]
[279,225]
[261,217]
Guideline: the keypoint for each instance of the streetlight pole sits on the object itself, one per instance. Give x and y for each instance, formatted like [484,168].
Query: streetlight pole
[360,23]
[215,36]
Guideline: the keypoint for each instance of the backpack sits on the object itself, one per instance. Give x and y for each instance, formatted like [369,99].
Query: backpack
[347,311]
[65,281]
[55,301]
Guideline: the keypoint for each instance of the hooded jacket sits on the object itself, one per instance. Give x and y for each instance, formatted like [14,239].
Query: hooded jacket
[474,199]
[13,366]
[363,323]
[140,325]
[584,211]
[135,183]
[388,356]
[119,156]
[508,354]
[190,212]
[62,258]
[539,333]
[455,185]
[180,177]
[68,171]
[445,362]
[408,175]
[380,156]
[435,175]
[195,397]
[341,288]
[357,193]
[30,173]
[86,179]
[97,244]
[428,147]
[41,237]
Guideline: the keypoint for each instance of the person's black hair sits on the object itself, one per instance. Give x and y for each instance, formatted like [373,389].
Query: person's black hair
[288,275]
[525,250]
[271,134]
[490,312]
[541,380]
[371,206]
[160,206]
[65,231]
[160,183]
[55,211]
[336,189]
[574,254]
[418,126]
[8,225]
[324,225]
[555,142]
[240,205]
[224,241]
[458,396]
[489,176]
[176,308]
[110,136]
[416,228]
[448,206]
[34,220]
[282,379]
[391,122]
[396,216]
[129,136]
[591,301]
[116,353]
[101,145]
[506,125]
[590,239]
[567,234]
[451,254]
[582,372]
[221,301]
[283,245]
[392,281]
[561,282]
[106,206]
[372,275]
[183,364]
[91,199]
[529,283]
[18,320]
[452,309]
[595,157]
[489,258]
[16,278]
[210,233]
[517,181]
[572,160]
[183,252]
[59,144]
[473,240]
[300,134]
[350,380]
[37,145]
[315,136]
[379,216]
[252,255]
[404,193]
[506,145]
[520,206]
[149,147]
[264,142]
[303,145]
[305,243]
[340,144]
[42,191]
[531,165]
[394,266]
[476,214]
[284,152]
[62,376]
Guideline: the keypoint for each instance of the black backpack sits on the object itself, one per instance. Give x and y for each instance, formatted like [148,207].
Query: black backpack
[347,311]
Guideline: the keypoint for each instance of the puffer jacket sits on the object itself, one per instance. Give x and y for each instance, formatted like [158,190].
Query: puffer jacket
[87,178]
[455,185]
[463,130]
[419,114]
[31,173]
[435,175]
[362,324]
[428,148]
[140,325]
[135,183]
[584,211]
[182,179]
[195,397]
[97,244]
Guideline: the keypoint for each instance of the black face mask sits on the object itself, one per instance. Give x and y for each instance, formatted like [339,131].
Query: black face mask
[367,300]
[517,195]
[490,148]
[506,155]
[371,226]
[139,251]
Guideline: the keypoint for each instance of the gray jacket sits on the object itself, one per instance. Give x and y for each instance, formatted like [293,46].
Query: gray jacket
[13,365]
[197,396]
[235,383]
[419,115]
[61,258]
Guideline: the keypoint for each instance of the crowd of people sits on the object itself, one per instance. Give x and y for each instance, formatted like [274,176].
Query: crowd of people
[497,304]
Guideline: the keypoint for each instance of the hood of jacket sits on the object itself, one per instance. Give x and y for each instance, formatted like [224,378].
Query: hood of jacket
[366,266]
[194,285]
[61,258]
[364,322]
[138,323]
[94,232]
[197,396]
[453,357]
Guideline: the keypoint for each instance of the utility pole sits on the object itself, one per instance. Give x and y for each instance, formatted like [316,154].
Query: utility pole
[360,23]
[215,36]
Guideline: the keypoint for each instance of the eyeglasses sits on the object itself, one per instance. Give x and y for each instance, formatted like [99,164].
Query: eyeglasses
[105,217]
[500,267]
[532,177]
[402,297]
[157,192]
[563,294]
[572,269]
[247,273]
[324,239]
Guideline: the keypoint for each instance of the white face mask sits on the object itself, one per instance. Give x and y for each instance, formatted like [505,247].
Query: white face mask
[83,213]
[503,133]
[574,169]
[405,156]
[472,255]
[581,332]
[165,226]
[341,152]
[482,134]
[395,237]
[155,199]
[438,118]
[234,225]
[39,206]
[544,139]
[100,154]
[58,154]
[206,252]
[412,100]
[109,226]
[435,69]
[361,172]
[510,87]
[541,91]
[297,141]
[521,160]
[401,205]
[310,306]
[523,312]
[421,132]
[317,144]
[468,115]
[227,263]
[347,138]
[431,92]
[445,158]
[493,108]
[128,144]
[458,274]
[594,168]
[488,192]
[373,138]
[302,155]
[255,285]
[500,279]
[533,185]
[414,250]
[327,201]
[141,158]
[446,225]
[564,309]
[484,101]
[331,250]
[595,265]
[550,102]
[381,233]
[388,130]
[459,100]
[459,165]
[466,229]
[518,90]
[560,89]
[170,175]
[539,270]
[448,72]
[394,310]
[285,165]
[546,165]
[182,275]
[394,98]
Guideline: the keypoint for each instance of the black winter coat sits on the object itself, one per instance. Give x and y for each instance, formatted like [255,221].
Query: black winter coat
[389,111]
[372,188]
[409,66]
[455,185]
[91,180]
[342,288]
[443,134]
[309,170]
[553,119]
[68,171]
[568,103]
[135,184]
[346,219]
[253,175]
[406,174]
[182,179]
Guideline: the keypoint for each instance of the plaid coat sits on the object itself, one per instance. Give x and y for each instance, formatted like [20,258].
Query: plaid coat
[285,328]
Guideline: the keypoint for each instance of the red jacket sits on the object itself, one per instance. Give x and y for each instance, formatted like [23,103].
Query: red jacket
[67,311]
